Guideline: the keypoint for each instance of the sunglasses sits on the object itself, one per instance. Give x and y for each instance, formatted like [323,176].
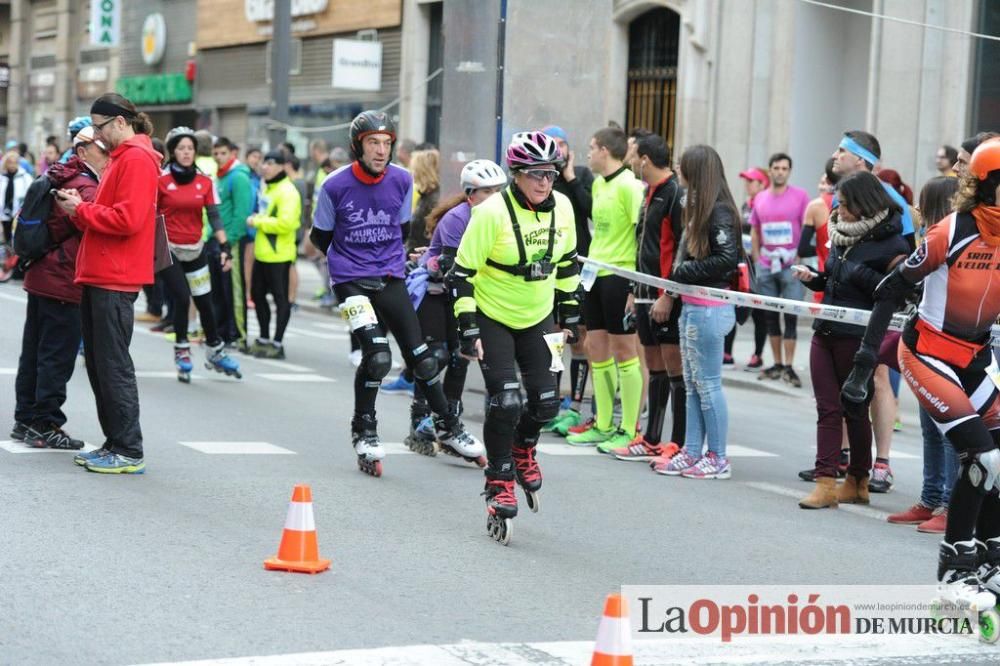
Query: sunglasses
[549,175]
[99,126]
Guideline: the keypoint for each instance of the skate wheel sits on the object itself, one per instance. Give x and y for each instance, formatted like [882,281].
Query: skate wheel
[989,626]
[238,375]
[481,461]
[532,498]
[499,529]
[370,467]
[184,378]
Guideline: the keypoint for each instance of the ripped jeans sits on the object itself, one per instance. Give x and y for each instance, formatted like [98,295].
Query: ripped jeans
[703,329]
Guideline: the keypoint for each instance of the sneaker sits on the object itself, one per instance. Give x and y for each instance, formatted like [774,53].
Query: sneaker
[727,359]
[270,350]
[566,422]
[680,462]
[710,466]
[897,426]
[754,363]
[590,437]
[320,293]
[52,437]
[116,463]
[328,301]
[881,481]
[915,515]
[163,326]
[774,372]
[580,427]
[355,358]
[398,386]
[638,449]
[147,318]
[790,377]
[667,453]
[19,431]
[937,523]
[619,440]
[810,474]
[551,425]
[84,458]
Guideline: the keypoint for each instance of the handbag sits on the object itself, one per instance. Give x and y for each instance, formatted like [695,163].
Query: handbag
[161,247]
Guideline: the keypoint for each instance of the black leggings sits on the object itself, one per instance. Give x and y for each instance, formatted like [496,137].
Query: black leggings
[437,322]
[175,277]
[271,279]
[759,333]
[505,350]
[395,313]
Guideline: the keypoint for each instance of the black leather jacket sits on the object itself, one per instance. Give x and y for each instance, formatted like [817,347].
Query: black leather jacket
[716,269]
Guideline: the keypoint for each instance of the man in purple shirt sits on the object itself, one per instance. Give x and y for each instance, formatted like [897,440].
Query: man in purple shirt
[362,216]
[776,225]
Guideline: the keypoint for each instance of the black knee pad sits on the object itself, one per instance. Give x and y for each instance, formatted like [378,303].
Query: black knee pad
[425,363]
[441,355]
[376,363]
[543,407]
[505,407]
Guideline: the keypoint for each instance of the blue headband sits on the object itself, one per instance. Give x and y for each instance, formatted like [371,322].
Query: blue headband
[852,146]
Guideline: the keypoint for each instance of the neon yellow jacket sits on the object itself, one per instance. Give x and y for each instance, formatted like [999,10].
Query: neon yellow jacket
[501,296]
[276,225]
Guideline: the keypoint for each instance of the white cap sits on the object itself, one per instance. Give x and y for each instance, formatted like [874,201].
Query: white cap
[86,135]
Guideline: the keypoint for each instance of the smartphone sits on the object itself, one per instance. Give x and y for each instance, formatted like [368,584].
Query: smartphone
[803,270]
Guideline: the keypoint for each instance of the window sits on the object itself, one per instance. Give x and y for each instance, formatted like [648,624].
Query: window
[652,73]
[986,80]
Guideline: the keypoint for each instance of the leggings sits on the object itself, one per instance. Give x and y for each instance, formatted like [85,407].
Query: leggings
[505,351]
[176,277]
[437,322]
[965,406]
[395,314]
[759,333]
[271,279]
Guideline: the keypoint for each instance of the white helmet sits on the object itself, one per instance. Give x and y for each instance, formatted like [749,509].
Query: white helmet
[482,173]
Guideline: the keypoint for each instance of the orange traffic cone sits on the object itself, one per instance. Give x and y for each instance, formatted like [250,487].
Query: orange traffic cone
[614,635]
[299,550]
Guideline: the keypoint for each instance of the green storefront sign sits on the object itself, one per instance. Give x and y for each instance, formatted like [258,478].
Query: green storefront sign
[155,89]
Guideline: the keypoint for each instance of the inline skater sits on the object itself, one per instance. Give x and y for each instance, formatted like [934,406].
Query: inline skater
[362,216]
[517,257]
[947,360]
[447,224]
[183,193]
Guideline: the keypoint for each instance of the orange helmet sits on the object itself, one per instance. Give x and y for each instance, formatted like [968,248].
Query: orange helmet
[985,158]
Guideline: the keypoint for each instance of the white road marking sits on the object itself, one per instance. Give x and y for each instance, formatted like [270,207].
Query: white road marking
[14,297]
[314,334]
[903,455]
[336,328]
[156,374]
[396,449]
[283,365]
[737,451]
[567,450]
[8,371]
[294,377]
[19,447]
[238,448]
[857,509]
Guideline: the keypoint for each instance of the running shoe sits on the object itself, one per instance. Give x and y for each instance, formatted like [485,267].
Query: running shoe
[937,523]
[667,453]
[897,426]
[84,458]
[790,377]
[638,449]
[680,462]
[568,419]
[915,515]
[320,293]
[563,408]
[774,372]
[754,363]
[398,386]
[727,360]
[590,437]
[881,481]
[710,466]
[19,431]
[52,436]
[328,301]
[845,458]
[580,427]
[164,326]
[115,463]
[620,439]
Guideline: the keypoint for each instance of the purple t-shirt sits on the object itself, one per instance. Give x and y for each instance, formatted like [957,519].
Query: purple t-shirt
[778,220]
[450,228]
[365,219]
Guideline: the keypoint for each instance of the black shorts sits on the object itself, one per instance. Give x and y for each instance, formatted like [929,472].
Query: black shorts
[652,334]
[604,306]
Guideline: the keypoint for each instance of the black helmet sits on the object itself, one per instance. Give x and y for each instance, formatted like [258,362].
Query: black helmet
[370,122]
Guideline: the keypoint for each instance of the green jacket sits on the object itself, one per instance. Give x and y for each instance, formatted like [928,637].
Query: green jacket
[276,225]
[236,201]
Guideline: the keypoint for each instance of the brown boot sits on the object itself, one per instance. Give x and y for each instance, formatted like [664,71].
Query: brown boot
[854,490]
[823,495]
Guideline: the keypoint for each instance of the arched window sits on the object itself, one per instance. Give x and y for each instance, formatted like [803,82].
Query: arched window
[652,72]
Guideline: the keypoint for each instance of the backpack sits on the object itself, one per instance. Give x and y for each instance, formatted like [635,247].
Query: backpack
[31,234]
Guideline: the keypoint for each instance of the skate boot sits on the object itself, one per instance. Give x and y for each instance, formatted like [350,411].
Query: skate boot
[501,505]
[364,439]
[422,438]
[217,359]
[456,440]
[961,592]
[182,359]
[529,474]
[456,408]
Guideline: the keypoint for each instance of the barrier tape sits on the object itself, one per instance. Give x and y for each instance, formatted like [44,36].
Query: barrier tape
[772,303]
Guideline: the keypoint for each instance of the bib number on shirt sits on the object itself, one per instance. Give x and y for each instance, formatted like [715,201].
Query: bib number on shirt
[358,312]
[993,370]
[777,233]
[200,281]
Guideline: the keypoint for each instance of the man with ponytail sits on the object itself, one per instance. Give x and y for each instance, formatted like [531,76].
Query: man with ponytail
[114,261]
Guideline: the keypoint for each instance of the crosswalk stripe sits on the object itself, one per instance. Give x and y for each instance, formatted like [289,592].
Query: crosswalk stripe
[8,371]
[19,447]
[283,365]
[238,448]
[784,491]
[295,377]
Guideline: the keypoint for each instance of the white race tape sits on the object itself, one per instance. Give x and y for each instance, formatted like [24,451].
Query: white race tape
[772,303]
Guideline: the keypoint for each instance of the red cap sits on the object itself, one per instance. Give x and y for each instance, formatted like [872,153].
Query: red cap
[756,174]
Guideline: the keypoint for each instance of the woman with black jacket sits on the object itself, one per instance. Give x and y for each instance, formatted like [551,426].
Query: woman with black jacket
[707,255]
[865,243]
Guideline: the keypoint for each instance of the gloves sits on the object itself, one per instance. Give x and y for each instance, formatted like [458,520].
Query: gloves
[569,319]
[226,251]
[854,393]
[468,333]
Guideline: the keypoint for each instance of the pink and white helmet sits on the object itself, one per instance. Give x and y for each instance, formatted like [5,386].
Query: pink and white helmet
[530,149]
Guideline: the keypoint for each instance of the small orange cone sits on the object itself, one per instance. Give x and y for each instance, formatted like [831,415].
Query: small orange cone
[614,635]
[299,550]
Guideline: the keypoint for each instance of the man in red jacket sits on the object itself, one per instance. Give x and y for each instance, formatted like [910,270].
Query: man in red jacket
[115,260]
[52,325]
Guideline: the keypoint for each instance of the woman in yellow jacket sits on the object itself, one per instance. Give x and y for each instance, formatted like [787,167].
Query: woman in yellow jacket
[274,253]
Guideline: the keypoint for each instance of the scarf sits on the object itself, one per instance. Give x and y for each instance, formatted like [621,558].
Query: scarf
[272,181]
[183,175]
[224,169]
[846,234]
[988,223]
